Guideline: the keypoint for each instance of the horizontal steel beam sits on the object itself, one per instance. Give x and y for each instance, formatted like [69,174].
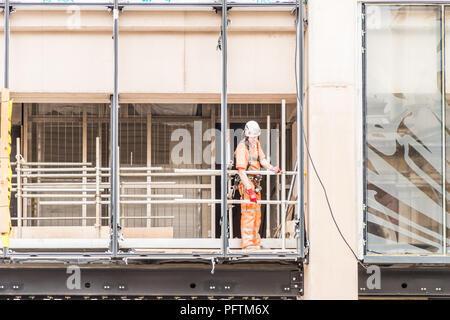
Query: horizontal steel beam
[404,281]
[190,280]
[197,243]
[130,243]
[131,258]
[154,4]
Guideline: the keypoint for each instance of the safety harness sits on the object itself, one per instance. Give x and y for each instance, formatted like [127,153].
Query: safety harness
[255,178]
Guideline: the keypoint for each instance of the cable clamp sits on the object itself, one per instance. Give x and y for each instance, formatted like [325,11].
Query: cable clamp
[296,226]
[213,264]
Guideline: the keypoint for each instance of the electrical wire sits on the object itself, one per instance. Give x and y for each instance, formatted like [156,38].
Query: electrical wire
[309,154]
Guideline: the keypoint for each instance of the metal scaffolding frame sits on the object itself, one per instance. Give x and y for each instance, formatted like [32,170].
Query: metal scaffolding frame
[114,252]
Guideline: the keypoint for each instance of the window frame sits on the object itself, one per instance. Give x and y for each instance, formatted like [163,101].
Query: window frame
[441,258]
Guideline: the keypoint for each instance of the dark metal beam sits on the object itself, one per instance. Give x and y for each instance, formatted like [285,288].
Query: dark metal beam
[267,280]
[404,281]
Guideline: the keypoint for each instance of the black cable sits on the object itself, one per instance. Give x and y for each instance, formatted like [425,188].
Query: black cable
[309,154]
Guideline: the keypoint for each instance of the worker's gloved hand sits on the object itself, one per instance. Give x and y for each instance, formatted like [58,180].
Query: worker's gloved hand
[252,195]
[276,169]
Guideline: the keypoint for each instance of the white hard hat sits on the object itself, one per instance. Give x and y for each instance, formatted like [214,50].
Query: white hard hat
[252,129]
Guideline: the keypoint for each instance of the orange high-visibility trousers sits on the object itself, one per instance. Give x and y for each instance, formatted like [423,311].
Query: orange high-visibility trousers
[250,219]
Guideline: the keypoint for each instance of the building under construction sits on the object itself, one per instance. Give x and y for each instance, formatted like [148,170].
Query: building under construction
[122,119]
[126,153]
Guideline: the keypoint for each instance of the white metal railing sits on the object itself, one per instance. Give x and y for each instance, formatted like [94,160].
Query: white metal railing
[86,187]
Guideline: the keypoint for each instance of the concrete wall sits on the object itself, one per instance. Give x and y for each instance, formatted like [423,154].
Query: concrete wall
[333,125]
[159,52]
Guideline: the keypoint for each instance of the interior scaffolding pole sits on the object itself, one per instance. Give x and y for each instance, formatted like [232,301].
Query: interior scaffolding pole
[223,121]
[149,222]
[18,190]
[84,159]
[213,167]
[114,201]
[300,168]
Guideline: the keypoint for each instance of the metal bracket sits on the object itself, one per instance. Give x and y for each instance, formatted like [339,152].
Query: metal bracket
[11,9]
[307,246]
[294,12]
[213,264]
[218,9]
[297,282]
[219,41]
[296,226]
[111,8]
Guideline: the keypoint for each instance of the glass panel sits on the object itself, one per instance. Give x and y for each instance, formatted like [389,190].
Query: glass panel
[404,130]
[447,122]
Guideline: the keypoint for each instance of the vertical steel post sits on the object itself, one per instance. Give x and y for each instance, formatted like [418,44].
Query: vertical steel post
[300,168]
[6,79]
[114,203]
[223,146]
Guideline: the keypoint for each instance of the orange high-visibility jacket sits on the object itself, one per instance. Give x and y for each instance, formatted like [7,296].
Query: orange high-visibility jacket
[248,158]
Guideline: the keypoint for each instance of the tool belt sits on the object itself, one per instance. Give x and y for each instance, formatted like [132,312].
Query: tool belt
[255,178]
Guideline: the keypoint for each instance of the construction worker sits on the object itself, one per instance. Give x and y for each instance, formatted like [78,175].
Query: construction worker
[250,157]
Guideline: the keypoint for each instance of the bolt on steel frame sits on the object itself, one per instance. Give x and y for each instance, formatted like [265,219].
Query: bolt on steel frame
[114,252]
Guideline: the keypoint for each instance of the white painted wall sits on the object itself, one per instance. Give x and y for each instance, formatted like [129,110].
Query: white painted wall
[61,62]
[159,52]
[331,89]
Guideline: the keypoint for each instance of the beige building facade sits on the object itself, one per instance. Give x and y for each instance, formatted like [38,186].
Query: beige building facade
[371,72]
